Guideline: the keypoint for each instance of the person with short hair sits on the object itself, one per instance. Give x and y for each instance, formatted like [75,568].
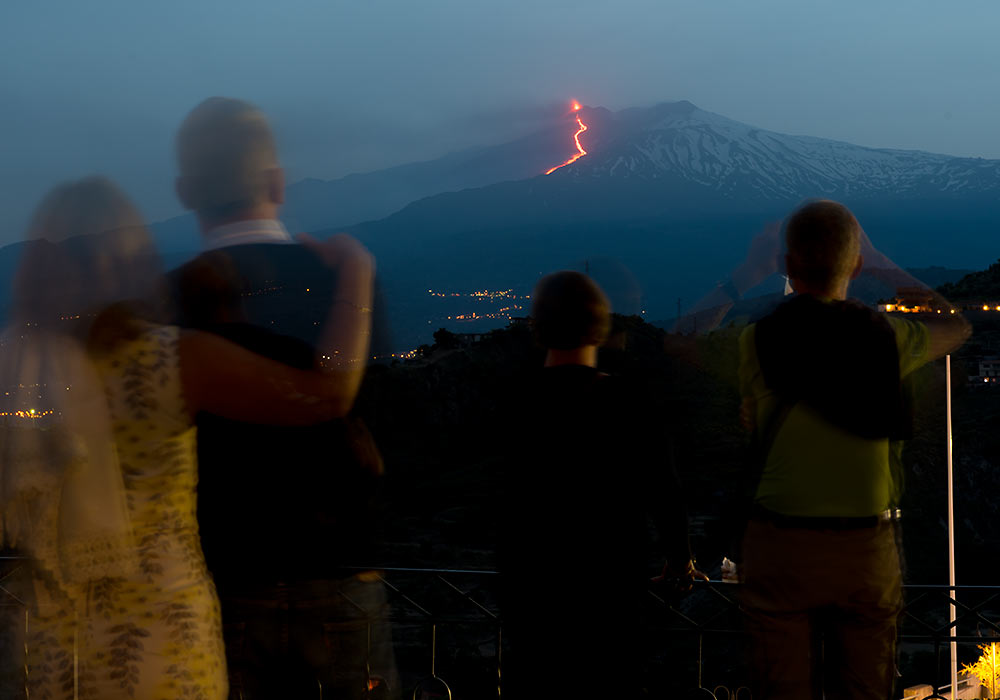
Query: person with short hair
[285,512]
[821,384]
[570,313]
[575,541]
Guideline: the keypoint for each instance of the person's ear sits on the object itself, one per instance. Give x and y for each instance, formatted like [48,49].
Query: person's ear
[858,266]
[183,187]
[791,269]
[276,186]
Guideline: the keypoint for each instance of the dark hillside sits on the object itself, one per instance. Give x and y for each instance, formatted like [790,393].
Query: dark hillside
[984,284]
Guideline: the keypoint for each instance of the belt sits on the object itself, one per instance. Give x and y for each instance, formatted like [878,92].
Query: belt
[805,522]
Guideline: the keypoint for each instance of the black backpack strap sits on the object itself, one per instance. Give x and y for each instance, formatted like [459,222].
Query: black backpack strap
[760,447]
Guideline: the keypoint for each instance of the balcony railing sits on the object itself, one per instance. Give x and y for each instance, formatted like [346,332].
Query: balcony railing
[448,633]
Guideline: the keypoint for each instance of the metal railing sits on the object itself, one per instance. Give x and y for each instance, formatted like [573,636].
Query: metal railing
[448,630]
[709,617]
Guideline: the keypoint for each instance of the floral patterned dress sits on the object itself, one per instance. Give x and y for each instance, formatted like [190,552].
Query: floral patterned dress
[156,633]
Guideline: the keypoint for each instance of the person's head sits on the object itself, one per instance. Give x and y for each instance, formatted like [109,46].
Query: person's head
[86,249]
[228,163]
[824,247]
[570,312]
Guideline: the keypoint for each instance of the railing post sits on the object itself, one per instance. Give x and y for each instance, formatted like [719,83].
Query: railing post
[499,661]
[700,637]
[952,593]
[27,670]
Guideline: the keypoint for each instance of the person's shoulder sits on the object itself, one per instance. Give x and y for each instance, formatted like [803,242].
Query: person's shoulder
[908,332]
[279,261]
[247,253]
[289,250]
[621,384]
[912,341]
[903,325]
[156,335]
[207,265]
[140,344]
[630,397]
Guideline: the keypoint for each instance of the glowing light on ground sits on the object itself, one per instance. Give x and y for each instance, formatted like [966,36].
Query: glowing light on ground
[580,152]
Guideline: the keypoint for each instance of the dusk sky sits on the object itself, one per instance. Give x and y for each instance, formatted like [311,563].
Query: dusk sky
[360,85]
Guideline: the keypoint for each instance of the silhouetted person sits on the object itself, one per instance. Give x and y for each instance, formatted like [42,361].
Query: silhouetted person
[820,379]
[574,541]
[284,512]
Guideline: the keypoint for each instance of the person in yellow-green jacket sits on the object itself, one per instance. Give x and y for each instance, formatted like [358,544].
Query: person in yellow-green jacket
[820,379]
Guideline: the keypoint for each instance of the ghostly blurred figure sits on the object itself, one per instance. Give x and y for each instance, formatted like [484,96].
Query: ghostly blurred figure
[62,495]
[574,543]
[103,501]
[284,511]
[617,282]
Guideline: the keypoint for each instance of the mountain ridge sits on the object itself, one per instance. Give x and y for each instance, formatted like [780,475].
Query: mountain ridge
[674,143]
[715,151]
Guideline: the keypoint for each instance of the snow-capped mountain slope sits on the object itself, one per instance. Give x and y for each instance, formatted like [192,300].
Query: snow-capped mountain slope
[735,159]
[675,194]
[641,161]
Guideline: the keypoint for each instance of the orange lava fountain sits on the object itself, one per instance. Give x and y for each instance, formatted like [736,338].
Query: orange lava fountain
[580,153]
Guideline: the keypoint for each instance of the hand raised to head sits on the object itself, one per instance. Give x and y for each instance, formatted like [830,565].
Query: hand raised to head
[764,258]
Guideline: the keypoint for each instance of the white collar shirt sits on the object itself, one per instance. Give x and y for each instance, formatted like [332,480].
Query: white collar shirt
[247,232]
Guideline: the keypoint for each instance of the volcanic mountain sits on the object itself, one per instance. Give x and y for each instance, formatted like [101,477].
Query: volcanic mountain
[669,160]
[672,194]
[675,159]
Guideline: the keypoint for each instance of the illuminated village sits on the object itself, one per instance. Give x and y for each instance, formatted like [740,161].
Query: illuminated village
[917,300]
[981,358]
[491,297]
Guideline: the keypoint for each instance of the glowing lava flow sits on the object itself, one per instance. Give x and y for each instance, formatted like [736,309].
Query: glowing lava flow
[576,137]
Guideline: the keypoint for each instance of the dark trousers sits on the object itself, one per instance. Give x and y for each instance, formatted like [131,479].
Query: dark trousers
[576,636]
[315,639]
[821,609]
